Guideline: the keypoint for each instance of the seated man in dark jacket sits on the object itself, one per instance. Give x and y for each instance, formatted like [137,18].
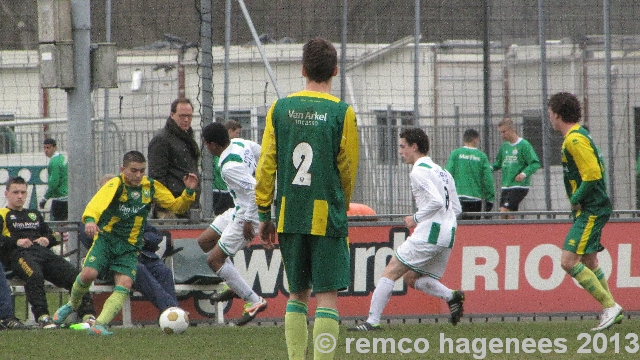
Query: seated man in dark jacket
[25,242]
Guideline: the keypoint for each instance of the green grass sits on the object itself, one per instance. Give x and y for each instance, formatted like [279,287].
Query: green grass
[267,342]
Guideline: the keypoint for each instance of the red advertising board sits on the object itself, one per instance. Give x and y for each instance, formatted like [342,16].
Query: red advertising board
[503,269]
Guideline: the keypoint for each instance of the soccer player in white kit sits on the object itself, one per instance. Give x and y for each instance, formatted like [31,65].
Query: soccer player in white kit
[236,227]
[423,257]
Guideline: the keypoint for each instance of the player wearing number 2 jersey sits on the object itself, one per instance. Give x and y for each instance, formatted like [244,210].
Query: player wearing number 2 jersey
[311,142]
[422,258]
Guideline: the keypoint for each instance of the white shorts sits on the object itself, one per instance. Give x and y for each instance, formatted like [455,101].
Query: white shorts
[424,258]
[221,221]
[231,232]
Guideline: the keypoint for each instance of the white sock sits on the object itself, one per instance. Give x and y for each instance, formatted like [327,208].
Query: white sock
[433,287]
[232,277]
[379,300]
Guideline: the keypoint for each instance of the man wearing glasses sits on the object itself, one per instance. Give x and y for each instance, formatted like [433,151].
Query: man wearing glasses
[173,152]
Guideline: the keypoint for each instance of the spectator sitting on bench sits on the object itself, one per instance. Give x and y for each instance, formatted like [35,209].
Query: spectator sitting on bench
[153,278]
[25,242]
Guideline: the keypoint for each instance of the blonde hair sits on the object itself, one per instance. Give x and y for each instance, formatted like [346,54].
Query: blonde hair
[506,122]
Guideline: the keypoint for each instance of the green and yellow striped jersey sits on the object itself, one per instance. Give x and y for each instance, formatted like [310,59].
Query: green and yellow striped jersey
[584,172]
[121,210]
[311,141]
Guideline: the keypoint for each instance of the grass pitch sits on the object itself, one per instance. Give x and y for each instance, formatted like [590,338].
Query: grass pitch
[535,340]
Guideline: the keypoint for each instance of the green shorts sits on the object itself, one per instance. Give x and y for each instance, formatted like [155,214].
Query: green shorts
[315,262]
[112,254]
[584,236]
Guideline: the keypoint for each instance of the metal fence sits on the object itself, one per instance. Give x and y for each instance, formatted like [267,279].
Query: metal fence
[443,66]
[382,183]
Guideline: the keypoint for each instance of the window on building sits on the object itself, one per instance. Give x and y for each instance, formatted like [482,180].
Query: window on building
[390,125]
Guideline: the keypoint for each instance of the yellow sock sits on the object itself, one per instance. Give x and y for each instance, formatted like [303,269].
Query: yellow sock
[326,325]
[588,280]
[602,279]
[295,329]
[77,292]
[113,305]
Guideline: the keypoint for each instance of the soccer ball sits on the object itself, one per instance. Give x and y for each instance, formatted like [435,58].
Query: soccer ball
[174,321]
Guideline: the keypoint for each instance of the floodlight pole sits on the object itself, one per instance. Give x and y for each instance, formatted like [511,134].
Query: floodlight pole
[79,127]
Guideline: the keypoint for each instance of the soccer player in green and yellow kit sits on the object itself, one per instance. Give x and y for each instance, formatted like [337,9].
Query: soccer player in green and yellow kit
[115,218]
[311,142]
[584,182]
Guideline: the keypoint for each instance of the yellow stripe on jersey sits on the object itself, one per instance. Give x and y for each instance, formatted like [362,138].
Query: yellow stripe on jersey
[320,217]
[281,215]
[586,235]
[574,186]
[109,227]
[135,231]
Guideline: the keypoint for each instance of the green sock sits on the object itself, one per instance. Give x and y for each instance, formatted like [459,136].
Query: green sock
[602,279]
[113,305]
[588,280]
[77,292]
[295,329]
[326,323]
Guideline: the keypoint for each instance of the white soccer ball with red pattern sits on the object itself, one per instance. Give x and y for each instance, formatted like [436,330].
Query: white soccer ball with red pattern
[174,320]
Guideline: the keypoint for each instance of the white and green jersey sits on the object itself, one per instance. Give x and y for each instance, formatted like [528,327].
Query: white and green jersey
[516,158]
[237,166]
[434,191]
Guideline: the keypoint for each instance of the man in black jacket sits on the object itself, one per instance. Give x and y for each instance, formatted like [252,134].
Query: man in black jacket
[173,152]
[25,242]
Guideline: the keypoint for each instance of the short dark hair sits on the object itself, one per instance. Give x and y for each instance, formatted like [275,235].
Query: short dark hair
[182,100]
[416,136]
[50,141]
[133,156]
[470,135]
[566,105]
[216,133]
[15,180]
[232,125]
[319,59]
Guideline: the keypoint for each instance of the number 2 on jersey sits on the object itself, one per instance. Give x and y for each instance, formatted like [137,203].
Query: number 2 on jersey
[302,158]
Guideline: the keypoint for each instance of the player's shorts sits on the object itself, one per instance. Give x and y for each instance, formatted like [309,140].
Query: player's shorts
[315,262]
[109,253]
[512,197]
[584,236]
[471,206]
[232,239]
[222,221]
[423,258]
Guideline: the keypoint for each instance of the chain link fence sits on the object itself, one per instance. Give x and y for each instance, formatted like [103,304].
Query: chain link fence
[442,66]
